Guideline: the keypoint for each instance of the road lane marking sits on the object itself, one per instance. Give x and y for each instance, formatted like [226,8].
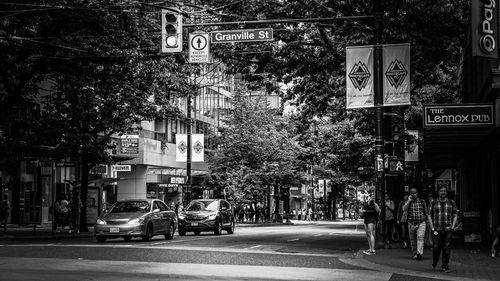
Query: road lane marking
[295,239]
[187,248]
[256,246]
[137,269]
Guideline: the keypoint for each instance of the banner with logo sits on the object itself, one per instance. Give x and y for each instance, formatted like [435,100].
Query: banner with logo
[198,147]
[484,28]
[396,73]
[181,147]
[359,77]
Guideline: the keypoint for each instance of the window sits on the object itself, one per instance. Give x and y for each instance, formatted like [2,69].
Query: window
[163,206]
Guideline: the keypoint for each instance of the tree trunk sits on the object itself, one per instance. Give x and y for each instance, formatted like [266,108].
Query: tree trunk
[84,193]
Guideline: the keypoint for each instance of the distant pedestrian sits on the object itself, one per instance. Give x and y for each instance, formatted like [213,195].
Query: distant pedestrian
[75,208]
[443,215]
[370,213]
[4,213]
[428,242]
[495,246]
[417,216]
[308,214]
[64,213]
[390,212]
[402,220]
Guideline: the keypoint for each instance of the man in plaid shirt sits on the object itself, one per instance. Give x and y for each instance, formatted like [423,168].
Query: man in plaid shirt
[417,216]
[443,216]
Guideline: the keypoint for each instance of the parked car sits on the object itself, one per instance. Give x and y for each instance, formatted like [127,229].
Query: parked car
[143,218]
[207,215]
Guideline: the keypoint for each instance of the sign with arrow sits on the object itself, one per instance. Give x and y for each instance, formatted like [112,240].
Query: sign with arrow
[199,48]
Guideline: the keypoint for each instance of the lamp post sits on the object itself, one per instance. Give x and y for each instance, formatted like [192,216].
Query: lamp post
[379,136]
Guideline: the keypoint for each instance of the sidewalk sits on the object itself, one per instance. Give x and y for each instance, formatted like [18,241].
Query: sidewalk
[471,262]
[17,232]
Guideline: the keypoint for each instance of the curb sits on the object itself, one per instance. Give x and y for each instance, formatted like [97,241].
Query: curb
[360,261]
[263,224]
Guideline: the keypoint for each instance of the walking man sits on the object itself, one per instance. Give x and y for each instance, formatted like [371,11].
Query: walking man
[443,216]
[417,215]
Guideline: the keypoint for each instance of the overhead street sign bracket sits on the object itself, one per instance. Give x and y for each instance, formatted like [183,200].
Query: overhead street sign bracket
[242,23]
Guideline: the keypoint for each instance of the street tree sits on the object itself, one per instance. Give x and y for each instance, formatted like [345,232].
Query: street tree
[256,151]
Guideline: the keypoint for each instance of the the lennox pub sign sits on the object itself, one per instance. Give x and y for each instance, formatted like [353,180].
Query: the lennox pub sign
[458,115]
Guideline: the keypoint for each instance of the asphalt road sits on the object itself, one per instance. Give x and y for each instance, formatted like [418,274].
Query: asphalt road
[286,252]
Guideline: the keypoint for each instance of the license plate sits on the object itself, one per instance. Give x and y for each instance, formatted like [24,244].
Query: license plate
[194,224]
[114,230]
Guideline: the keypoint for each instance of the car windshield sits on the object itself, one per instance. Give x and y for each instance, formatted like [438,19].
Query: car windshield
[131,207]
[203,205]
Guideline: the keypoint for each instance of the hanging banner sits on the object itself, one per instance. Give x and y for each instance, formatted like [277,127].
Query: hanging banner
[198,147]
[359,77]
[484,28]
[181,147]
[396,75]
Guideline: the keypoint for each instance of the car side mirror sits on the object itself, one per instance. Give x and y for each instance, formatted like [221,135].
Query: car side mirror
[156,210]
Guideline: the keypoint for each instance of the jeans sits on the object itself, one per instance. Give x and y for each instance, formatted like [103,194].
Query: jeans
[404,232]
[389,228]
[417,235]
[441,242]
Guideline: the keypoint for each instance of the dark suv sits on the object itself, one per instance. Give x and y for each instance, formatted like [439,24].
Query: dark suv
[207,215]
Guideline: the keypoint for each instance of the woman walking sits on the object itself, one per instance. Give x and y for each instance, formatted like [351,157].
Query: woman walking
[370,213]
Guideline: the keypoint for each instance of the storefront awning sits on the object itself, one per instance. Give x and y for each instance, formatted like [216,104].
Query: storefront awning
[98,182]
[445,147]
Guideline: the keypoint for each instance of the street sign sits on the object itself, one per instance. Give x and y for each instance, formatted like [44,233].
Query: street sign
[242,35]
[121,168]
[396,166]
[199,48]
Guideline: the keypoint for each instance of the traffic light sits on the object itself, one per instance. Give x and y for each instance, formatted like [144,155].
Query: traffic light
[397,128]
[171,31]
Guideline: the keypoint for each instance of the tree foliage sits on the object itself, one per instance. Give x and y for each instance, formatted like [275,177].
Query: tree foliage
[256,151]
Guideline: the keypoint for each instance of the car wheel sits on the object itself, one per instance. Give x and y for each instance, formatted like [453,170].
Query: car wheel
[101,239]
[197,232]
[169,235]
[231,228]
[149,234]
[182,232]
[218,230]
[127,238]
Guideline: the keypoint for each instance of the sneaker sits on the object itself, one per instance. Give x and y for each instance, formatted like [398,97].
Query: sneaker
[446,269]
[419,257]
[415,257]
[368,252]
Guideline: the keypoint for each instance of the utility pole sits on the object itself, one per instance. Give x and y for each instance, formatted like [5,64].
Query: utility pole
[379,134]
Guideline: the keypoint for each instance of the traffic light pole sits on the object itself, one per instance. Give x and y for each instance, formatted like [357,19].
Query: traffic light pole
[379,134]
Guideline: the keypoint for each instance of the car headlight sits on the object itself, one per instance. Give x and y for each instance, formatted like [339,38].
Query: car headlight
[212,216]
[136,221]
[99,221]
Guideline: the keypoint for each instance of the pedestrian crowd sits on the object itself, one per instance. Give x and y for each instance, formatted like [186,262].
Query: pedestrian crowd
[420,222]
[251,212]
[308,214]
[66,213]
